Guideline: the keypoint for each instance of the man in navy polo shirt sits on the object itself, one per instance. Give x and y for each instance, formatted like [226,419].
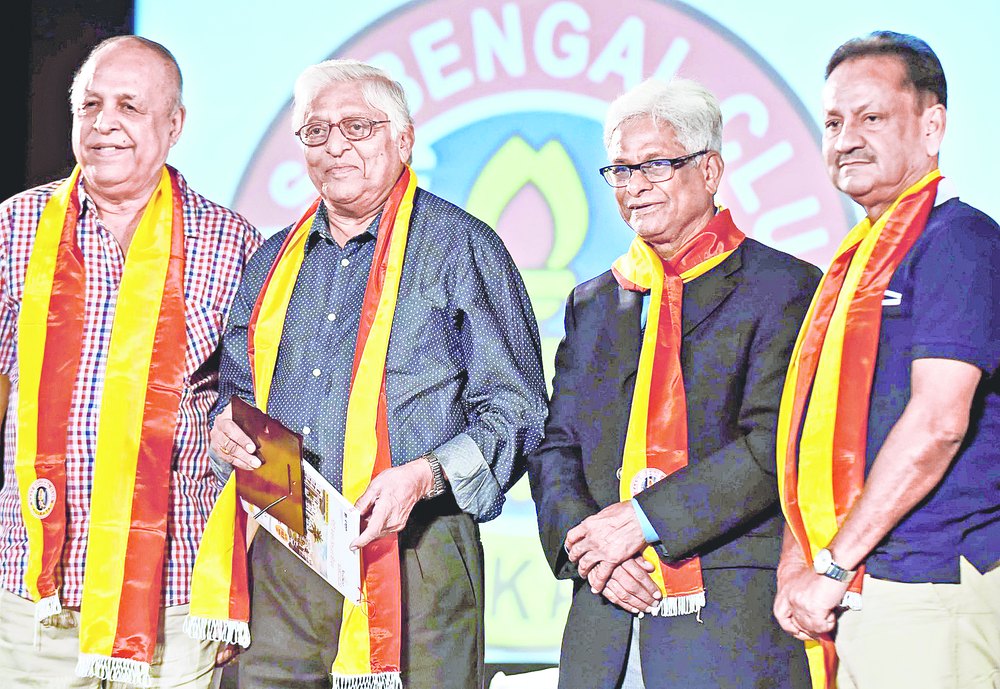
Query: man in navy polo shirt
[924,517]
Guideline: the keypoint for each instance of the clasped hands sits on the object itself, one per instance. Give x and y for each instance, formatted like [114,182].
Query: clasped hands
[606,548]
[807,604]
[385,505]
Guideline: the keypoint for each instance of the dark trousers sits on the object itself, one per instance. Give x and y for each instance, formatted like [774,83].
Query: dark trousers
[296,616]
[736,643]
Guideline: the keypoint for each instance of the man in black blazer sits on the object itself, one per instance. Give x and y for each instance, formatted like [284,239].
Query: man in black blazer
[738,325]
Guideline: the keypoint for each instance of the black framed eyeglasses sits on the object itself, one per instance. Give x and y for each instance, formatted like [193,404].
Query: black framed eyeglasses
[353,129]
[659,170]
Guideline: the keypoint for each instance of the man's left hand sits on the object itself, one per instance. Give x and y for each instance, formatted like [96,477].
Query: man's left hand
[814,601]
[389,499]
[610,537]
[790,568]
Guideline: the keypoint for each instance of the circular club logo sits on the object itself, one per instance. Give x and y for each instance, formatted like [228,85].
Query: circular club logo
[41,497]
[509,100]
[644,478]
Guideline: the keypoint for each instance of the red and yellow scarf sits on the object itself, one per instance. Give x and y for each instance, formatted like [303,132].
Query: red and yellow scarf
[140,396]
[823,420]
[656,442]
[369,648]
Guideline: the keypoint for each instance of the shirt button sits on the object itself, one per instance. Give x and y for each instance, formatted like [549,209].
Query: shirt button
[316,373]
[331,316]
[306,430]
[344,262]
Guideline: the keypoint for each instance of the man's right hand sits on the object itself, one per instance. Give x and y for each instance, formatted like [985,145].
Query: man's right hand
[230,444]
[226,654]
[631,588]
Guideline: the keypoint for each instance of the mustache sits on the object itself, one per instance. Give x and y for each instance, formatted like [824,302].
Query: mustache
[855,157]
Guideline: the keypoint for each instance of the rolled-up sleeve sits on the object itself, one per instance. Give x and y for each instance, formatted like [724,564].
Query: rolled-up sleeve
[505,391]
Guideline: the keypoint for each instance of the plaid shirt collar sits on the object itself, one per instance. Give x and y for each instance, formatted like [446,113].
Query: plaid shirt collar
[88,206]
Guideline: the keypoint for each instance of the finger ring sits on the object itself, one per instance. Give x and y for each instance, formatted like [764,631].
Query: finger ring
[227,448]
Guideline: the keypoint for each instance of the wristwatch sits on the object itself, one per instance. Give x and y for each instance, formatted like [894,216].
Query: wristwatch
[823,564]
[439,483]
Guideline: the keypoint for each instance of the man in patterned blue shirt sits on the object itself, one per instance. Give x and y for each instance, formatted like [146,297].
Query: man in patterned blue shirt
[463,381]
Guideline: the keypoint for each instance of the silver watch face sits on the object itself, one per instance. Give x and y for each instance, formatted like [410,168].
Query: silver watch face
[822,561]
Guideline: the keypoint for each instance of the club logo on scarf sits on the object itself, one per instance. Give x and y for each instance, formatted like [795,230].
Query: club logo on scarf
[41,497]
[509,101]
[644,479]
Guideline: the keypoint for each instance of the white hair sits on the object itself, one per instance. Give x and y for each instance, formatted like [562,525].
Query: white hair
[685,105]
[86,70]
[378,89]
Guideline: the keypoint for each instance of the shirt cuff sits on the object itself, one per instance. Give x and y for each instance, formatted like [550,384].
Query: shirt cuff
[470,477]
[648,532]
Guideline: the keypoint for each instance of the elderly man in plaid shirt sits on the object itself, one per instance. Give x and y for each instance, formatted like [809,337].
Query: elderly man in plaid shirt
[114,286]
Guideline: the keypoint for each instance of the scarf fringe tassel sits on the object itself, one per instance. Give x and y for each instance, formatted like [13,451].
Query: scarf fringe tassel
[226,631]
[47,607]
[852,600]
[674,606]
[382,680]
[110,669]
[47,612]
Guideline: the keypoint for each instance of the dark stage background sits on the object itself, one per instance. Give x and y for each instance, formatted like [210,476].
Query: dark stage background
[47,41]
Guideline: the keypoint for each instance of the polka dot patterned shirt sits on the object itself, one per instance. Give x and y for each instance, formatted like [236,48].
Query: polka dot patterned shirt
[463,371]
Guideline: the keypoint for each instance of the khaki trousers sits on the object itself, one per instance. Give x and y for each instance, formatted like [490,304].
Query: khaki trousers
[933,636]
[179,662]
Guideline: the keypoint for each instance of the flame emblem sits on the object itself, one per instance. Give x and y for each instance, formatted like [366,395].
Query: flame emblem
[536,202]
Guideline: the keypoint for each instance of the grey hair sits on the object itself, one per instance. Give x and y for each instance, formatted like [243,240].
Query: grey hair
[378,89]
[685,105]
[79,79]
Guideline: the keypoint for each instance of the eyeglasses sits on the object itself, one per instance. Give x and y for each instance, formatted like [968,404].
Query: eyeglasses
[353,129]
[659,170]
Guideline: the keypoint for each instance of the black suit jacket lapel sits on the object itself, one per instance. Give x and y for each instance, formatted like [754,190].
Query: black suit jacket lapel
[616,360]
[702,296]
[621,337]
[705,294]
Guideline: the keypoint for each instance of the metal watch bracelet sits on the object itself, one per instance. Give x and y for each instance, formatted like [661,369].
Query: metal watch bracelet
[439,486]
